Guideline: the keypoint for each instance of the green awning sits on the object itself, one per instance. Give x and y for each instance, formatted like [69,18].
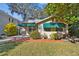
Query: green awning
[27,25]
[53,25]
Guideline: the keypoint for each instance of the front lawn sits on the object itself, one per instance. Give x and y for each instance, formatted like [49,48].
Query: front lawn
[44,49]
[4,48]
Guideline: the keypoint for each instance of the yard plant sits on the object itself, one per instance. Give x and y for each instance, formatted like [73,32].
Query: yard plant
[35,34]
[10,29]
[53,36]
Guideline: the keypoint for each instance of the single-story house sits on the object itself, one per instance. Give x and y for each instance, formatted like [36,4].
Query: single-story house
[46,26]
[4,19]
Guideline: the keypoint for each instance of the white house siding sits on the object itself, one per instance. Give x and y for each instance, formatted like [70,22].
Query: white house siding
[42,32]
[48,33]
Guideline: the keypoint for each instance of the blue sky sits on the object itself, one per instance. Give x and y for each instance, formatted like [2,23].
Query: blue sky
[5,8]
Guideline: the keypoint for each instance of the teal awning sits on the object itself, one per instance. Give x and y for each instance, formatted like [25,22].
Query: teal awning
[27,24]
[53,25]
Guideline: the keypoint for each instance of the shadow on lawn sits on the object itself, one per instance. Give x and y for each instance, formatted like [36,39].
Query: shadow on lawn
[4,48]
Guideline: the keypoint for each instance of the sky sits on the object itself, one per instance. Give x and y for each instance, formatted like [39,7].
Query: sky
[5,8]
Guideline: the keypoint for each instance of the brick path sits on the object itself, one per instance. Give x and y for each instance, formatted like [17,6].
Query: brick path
[39,40]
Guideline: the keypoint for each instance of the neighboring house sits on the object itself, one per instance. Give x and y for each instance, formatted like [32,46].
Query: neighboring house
[46,26]
[4,19]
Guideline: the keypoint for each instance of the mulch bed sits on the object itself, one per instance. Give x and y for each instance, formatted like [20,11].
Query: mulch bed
[45,40]
[38,40]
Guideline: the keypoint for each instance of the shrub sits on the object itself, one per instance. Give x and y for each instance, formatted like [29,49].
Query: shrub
[10,29]
[35,34]
[44,36]
[54,36]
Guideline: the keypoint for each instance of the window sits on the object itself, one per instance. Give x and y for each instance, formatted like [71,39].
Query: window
[59,29]
[47,29]
[53,29]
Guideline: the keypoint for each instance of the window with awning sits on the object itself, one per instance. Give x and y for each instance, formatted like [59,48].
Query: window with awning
[29,26]
[53,26]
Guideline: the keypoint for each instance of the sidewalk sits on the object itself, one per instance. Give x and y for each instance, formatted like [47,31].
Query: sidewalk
[5,40]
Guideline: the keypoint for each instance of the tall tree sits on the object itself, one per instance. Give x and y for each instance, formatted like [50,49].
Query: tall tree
[26,10]
[69,11]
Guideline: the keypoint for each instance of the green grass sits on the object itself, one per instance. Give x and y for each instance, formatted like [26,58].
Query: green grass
[44,49]
[4,48]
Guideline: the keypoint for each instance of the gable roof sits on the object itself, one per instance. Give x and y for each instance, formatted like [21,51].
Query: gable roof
[52,17]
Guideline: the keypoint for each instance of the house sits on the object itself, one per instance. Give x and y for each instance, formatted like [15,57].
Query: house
[4,19]
[46,26]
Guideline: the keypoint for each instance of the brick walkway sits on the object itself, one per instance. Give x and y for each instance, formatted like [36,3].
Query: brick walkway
[39,40]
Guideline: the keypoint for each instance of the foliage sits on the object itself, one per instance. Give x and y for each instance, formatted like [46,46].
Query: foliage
[67,11]
[26,10]
[54,36]
[74,29]
[8,46]
[44,36]
[10,29]
[35,34]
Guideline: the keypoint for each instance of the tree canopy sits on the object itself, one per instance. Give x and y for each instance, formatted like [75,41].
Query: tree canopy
[26,10]
[68,11]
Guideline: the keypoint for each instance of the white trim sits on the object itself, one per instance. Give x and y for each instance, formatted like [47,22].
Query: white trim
[45,19]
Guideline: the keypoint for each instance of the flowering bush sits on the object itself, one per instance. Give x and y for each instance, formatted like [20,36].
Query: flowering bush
[10,29]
